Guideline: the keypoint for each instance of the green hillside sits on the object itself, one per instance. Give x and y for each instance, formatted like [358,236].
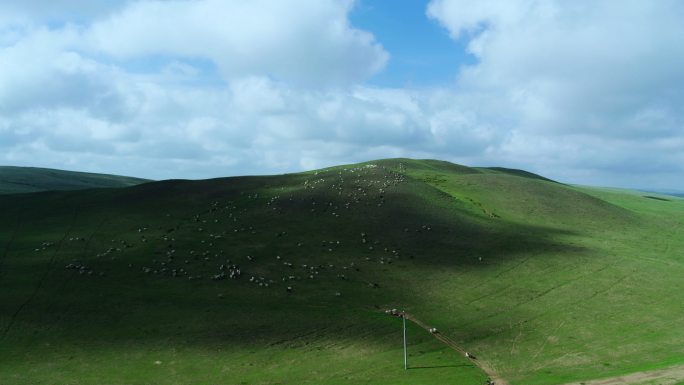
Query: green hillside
[31,179]
[186,282]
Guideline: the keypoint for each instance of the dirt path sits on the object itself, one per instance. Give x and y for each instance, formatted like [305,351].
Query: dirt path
[484,366]
[667,376]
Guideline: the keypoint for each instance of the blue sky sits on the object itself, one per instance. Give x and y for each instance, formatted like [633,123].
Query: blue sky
[587,92]
[422,52]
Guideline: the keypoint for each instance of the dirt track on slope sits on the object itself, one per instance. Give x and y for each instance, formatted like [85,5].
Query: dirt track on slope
[667,376]
[484,366]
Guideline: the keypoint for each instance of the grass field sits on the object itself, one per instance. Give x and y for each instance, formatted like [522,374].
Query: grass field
[15,180]
[546,282]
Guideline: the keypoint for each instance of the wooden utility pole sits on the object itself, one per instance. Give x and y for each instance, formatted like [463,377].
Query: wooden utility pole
[403,321]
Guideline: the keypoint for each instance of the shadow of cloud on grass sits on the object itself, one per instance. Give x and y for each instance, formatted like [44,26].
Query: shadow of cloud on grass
[430,231]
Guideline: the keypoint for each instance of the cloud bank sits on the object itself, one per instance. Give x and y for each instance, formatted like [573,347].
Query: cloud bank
[594,88]
[586,92]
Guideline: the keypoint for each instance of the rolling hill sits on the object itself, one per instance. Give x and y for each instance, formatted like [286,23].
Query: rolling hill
[285,279]
[31,179]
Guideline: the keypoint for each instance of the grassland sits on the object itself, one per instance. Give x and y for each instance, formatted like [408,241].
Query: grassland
[15,180]
[546,282]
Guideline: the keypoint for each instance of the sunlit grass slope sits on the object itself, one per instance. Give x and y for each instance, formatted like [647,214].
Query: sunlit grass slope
[547,282]
[31,179]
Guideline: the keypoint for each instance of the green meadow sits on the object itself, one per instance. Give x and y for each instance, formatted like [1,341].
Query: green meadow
[284,279]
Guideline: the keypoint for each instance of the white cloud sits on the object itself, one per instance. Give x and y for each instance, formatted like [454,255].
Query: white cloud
[68,92]
[304,41]
[578,79]
[255,125]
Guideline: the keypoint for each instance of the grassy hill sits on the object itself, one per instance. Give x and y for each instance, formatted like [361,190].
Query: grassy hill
[547,283]
[31,179]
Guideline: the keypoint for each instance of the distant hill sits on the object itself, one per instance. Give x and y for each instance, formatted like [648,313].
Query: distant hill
[521,173]
[674,193]
[15,180]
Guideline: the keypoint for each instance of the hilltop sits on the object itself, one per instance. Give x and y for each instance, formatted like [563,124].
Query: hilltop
[32,179]
[284,279]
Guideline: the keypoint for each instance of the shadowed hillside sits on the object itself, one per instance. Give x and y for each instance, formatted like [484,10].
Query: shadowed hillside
[283,279]
[30,179]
